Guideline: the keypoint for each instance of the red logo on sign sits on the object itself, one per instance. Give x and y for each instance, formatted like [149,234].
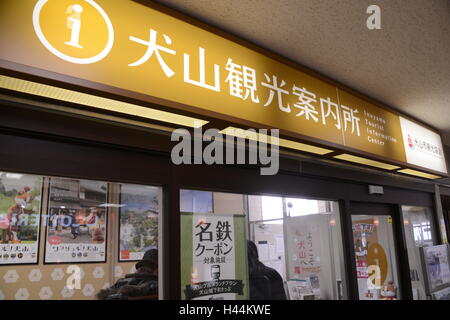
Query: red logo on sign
[55,240]
[410,142]
[125,254]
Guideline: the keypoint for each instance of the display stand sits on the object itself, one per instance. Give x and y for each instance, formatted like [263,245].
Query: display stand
[436,270]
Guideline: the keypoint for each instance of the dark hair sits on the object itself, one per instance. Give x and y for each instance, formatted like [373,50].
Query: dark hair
[254,265]
[150,259]
[252,250]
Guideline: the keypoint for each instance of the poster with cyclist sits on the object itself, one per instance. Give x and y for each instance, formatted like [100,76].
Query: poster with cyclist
[20,209]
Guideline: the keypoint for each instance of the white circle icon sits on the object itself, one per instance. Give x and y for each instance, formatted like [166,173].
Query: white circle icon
[74,41]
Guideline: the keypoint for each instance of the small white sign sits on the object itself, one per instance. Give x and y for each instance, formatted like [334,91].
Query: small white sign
[376,189]
[213,255]
[423,147]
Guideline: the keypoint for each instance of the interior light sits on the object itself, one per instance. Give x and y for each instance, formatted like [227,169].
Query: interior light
[419,174]
[365,161]
[14,176]
[66,95]
[303,147]
[254,135]
[112,205]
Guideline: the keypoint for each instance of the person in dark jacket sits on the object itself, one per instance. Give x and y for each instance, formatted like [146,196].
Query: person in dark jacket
[74,226]
[265,283]
[141,284]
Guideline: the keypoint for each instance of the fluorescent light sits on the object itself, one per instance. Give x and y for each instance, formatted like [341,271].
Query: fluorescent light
[303,147]
[112,205]
[14,176]
[365,161]
[52,92]
[241,133]
[419,174]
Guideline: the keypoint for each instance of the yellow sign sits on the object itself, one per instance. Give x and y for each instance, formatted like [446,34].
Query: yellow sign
[377,257]
[127,45]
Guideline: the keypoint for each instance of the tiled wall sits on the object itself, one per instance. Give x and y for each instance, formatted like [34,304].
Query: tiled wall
[41,282]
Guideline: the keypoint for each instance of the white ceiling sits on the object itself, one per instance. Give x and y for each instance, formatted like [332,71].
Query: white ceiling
[405,65]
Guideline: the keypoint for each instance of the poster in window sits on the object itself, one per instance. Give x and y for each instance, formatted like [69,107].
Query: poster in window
[20,209]
[304,246]
[213,257]
[139,207]
[364,234]
[437,266]
[76,224]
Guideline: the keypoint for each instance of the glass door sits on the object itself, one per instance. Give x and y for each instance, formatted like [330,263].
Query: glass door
[375,255]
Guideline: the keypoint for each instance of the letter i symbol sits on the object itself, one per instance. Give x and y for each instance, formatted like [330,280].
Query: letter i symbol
[74,23]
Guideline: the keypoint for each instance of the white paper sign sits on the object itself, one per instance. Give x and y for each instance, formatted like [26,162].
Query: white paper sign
[423,147]
[213,252]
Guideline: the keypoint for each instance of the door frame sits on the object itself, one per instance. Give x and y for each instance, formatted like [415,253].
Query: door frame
[371,209]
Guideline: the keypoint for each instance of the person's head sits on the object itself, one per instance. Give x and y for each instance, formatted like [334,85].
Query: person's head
[252,250]
[149,260]
[253,259]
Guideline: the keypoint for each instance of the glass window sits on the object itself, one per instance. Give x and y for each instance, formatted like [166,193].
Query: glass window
[301,240]
[419,232]
[62,238]
[272,208]
[302,207]
[295,248]
[314,250]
